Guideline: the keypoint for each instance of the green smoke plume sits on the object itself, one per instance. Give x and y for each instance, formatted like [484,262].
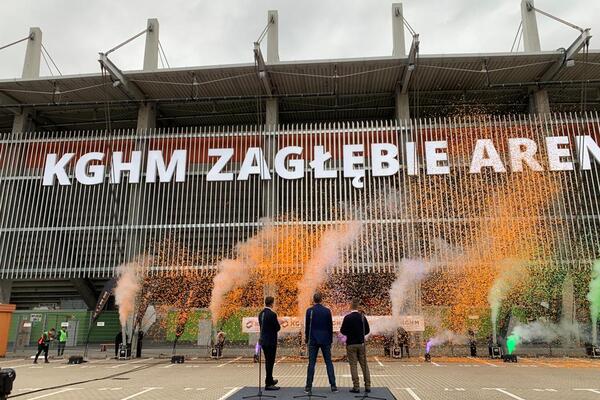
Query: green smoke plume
[594,299]
[511,342]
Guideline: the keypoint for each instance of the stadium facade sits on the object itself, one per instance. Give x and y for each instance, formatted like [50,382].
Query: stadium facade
[97,169]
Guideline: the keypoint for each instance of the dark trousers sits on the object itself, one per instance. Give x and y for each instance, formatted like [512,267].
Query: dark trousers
[270,352]
[403,350]
[138,349]
[313,351]
[473,349]
[61,348]
[219,347]
[44,348]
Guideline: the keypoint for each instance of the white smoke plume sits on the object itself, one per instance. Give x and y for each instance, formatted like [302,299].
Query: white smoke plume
[385,326]
[544,331]
[232,274]
[235,273]
[593,297]
[511,272]
[326,255]
[445,337]
[409,273]
[126,290]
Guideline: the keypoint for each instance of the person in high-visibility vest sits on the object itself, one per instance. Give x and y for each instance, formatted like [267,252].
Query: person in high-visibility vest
[63,336]
[44,344]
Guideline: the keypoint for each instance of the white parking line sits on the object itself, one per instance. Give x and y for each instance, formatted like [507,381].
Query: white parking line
[66,366]
[53,393]
[232,391]
[10,361]
[436,364]
[514,396]
[411,393]
[280,360]
[168,366]
[142,360]
[140,393]
[379,362]
[228,362]
[597,391]
[484,362]
[132,362]
[22,365]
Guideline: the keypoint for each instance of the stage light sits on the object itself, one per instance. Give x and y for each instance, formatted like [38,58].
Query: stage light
[509,358]
[177,359]
[496,352]
[593,351]
[427,357]
[7,377]
[75,359]
[124,351]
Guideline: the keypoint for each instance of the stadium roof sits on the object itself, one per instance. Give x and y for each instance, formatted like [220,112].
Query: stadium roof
[320,90]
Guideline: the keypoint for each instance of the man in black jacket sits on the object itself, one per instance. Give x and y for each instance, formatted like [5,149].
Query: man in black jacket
[269,326]
[355,327]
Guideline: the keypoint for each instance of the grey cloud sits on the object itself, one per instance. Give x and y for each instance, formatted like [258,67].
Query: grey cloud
[221,32]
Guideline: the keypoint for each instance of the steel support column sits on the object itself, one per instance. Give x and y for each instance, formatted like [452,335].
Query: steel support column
[5,290]
[86,291]
[538,97]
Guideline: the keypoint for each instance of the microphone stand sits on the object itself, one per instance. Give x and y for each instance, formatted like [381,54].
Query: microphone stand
[260,395]
[309,395]
[365,395]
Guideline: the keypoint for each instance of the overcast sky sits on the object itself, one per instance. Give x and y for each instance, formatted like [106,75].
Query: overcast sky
[209,32]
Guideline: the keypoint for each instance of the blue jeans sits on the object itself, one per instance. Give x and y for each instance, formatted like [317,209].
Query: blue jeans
[313,351]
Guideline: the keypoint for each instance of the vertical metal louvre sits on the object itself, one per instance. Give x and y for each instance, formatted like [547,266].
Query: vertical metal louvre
[77,230]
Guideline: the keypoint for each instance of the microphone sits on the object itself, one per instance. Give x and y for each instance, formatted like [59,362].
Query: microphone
[309,326]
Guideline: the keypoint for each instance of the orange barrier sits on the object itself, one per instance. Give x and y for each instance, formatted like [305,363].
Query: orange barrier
[6,311]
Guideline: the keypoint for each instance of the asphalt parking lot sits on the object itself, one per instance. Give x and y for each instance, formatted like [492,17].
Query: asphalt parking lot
[198,378]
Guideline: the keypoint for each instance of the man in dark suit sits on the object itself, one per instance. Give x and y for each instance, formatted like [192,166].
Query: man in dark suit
[355,327]
[269,326]
[318,333]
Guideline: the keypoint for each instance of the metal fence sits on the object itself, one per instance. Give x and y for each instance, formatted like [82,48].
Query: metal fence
[432,206]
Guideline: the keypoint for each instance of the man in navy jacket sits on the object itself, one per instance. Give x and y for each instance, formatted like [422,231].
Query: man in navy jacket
[269,326]
[318,334]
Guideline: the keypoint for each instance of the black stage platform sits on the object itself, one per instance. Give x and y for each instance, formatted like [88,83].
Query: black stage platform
[288,393]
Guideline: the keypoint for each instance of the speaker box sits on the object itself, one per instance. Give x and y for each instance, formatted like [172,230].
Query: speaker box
[496,352]
[75,360]
[396,353]
[7,377]
[177,359]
